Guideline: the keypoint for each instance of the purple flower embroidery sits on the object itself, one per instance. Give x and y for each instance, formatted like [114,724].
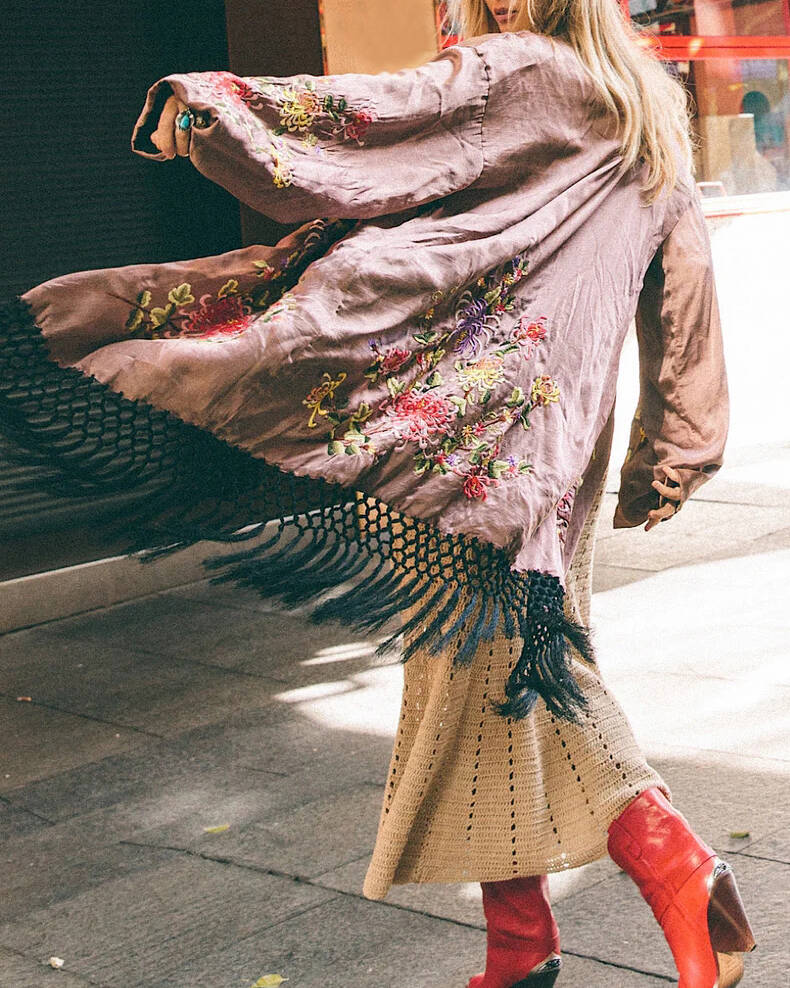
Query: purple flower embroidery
[473,326]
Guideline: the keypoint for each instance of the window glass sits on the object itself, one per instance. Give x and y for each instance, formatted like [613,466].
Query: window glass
[712,17]
[742,120]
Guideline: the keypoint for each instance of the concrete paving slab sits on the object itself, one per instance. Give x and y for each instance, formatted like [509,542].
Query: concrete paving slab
[683,708]
[63,863]
[348,941]
[774,847]
[721,794]
[17,971]
[161,694]
[304,840]
[171,625]
[148,928]
[15,821]
[221,765]
[37,742]
[610,577]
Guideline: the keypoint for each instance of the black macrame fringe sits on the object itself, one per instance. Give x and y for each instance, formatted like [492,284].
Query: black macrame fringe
[349,555]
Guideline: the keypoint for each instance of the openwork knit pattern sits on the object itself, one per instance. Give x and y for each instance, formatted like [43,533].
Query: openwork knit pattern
[471,796]
[455,592]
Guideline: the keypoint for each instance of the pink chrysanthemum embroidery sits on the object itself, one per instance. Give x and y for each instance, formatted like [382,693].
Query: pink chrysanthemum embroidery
[418,417]
[222,317]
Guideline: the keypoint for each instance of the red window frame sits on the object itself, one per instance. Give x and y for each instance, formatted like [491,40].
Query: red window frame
[684,48]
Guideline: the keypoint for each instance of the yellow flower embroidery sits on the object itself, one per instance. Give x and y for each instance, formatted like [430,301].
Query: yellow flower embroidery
[545,390]
[319,394]
[484,373]
[299,110]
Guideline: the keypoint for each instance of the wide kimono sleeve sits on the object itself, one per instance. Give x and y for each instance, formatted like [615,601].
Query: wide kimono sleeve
[346,146]
[683,414]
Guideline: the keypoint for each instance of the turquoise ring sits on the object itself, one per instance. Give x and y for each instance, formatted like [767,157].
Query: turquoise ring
[185,119]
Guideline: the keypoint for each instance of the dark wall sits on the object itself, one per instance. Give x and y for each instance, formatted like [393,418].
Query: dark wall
[73,79]
[73,196]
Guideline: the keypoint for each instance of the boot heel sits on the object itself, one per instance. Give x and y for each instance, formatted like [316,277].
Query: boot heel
[727,923]
[730,969]
[543,976]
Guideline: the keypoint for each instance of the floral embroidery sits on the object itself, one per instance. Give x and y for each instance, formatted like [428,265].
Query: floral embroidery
[479,316]
[325,391]
[528,335]
[216,318]
[423,409]
[545,391]
[301,110]
[233,310]
[417,417]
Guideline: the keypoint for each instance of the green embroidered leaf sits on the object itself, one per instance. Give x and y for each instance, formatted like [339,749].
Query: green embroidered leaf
[517,397]
[181,295]
[524,417]
[341,401]
[231,287]
[525,467]
[160,316]
[496,468]
[425,339]
[353,450]
[460,404]
[493,295]
[137,316]
[334,448]
[486,398]
[395,386]
[434,380]
[353,436]
[474,458]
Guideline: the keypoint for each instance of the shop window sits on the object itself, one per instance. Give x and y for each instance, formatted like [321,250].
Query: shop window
[733,57]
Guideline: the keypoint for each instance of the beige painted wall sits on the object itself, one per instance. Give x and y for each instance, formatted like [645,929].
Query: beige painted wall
[378,35]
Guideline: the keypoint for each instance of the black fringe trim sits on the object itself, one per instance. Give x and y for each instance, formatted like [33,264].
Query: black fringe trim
[349,555]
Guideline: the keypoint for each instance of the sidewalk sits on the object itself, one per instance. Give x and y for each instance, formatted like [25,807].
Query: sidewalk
[199,708]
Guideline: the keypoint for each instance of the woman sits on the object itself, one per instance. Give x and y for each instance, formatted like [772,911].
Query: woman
[424,385]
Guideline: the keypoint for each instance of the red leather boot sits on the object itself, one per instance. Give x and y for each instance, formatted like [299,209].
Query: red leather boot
[523,942]
[692,893]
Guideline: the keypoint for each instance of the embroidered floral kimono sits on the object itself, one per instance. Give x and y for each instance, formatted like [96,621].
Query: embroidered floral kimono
[416,380]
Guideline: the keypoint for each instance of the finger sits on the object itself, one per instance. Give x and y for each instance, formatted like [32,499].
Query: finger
[164,135]
[672,473]
[182,136]
[658,515]
[673,493]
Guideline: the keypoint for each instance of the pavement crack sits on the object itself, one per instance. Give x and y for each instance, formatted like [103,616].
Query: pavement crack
[96,720]
[761,857]
[23,809]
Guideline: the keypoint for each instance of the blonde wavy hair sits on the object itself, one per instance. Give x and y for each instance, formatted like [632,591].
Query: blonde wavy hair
[651,108]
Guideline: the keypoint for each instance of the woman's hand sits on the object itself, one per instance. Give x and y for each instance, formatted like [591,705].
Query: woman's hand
[670,499]
[168,136]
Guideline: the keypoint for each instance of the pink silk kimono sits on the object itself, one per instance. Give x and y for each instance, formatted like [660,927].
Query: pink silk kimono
[430,366]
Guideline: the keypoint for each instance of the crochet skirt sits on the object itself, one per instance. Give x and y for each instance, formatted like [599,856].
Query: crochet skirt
[472,796]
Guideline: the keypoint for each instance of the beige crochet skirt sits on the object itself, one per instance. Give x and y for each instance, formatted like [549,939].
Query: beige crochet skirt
[472,796]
